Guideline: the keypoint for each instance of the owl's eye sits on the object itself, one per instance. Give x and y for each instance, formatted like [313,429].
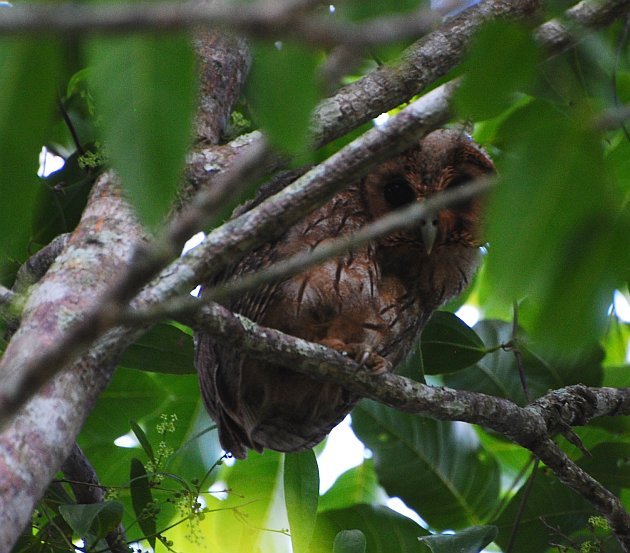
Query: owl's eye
[398,193]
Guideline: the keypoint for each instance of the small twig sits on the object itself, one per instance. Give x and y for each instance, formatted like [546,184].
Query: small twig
[36,266]
[518,354]
[521,507]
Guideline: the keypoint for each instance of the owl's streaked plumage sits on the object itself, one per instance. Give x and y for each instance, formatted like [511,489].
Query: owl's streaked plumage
[376,298]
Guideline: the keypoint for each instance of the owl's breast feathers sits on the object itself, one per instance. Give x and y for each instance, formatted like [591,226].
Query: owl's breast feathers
[377,297]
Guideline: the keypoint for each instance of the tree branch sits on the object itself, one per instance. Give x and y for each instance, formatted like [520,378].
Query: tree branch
[530,427]
[262,20]
[40,436]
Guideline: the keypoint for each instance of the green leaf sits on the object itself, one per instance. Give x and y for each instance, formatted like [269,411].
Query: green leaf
[419,459]
[29,70]
[609,463]
[166,348]
[239,522]
[497,373]
[355,486]
[470,540]
[555,236]
[384,530]
[550,505]
[501,61]
[61,199]
[94,521]
[449,344]
[142,438]
[301,494]
[349,541]
[144,397]
[141,499]
[144,90]
[282,91]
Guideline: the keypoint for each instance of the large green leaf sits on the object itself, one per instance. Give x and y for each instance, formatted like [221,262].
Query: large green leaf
[501,61]
[355,486]
[385,530]
[166,348]
[29,70]
[94,521]
[301,494]
[448,344]
[608,463]
[555,228]
[145,397]
[470,540]
[144,90]
[497,373]
[550,505]
[237,524]
[419,460]
[282,91]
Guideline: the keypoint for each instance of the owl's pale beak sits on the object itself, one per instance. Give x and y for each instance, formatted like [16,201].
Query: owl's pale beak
[429,232]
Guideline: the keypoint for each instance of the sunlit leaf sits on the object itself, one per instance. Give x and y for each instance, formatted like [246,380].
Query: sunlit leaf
[355,486]
[419,459]
[239,525]
[144,89]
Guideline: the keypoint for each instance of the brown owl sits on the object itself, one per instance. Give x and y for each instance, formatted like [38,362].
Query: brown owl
[371,302]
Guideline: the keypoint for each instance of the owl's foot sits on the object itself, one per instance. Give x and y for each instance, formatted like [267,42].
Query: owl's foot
[361,353]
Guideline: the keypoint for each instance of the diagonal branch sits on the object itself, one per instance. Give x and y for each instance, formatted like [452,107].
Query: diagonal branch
[530,427]
[261,20]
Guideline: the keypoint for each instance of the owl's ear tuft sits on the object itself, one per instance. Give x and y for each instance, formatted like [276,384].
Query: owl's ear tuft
[398,192]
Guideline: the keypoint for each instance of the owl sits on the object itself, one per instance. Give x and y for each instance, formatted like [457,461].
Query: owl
[371,302]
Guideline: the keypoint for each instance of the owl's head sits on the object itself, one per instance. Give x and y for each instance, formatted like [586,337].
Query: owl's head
[443,159]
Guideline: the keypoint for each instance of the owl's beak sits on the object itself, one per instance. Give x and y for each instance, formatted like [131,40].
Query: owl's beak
[429,232]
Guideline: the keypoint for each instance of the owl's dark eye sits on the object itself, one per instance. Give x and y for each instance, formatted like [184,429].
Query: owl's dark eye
[398,193]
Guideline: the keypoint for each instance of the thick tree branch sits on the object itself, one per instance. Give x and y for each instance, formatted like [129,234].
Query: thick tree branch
[531,427]
[557,35]
[224,62]
[40,436]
